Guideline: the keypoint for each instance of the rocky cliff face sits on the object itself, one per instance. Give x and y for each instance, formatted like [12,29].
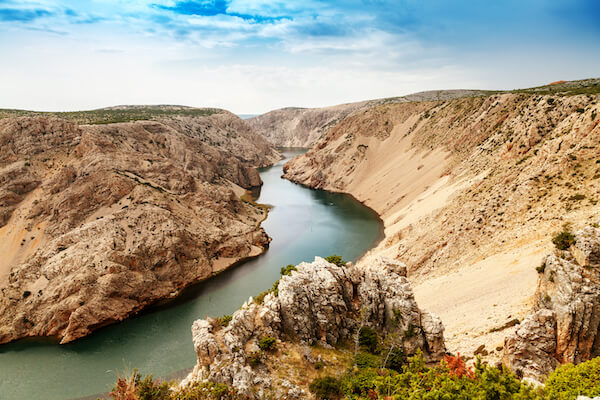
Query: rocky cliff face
[319,303]
[470,191]
[564,325]
[99,221]
[299,127]
[303,127]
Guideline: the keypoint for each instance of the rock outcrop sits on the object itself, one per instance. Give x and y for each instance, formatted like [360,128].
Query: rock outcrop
[564,325]
[319,303]
[99,221]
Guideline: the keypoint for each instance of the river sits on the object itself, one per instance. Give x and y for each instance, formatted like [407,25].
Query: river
[303,223]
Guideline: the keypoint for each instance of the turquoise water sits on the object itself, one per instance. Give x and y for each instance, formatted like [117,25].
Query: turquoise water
[303,223]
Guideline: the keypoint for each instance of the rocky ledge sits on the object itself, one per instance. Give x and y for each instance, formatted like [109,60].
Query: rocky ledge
[319,303]
[563,326]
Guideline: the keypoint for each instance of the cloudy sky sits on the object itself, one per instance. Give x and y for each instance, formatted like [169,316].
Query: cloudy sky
[251,56]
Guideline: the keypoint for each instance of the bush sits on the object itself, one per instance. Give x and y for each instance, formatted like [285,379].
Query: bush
[148,389]
[337,260]
[287,270]
[366,360]
[367,338]
[396,360]
[563,240]
[224,320]
[570,381]
[267,343]
[255,358]
[327,387]
[541,268]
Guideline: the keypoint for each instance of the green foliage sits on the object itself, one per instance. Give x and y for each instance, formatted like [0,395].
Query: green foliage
[564,239]
[224,320]
[410,331]
[267,343]
[366,360]
[149,389]
[367,338]
[541,268]
[417,381]
[570,381]
[326,388]
[396,360]
[287,270]
[255,358]
[337,260]
[116,115]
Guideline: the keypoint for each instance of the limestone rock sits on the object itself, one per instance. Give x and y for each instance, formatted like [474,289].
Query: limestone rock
[318,303]
[99,221]
[565,322]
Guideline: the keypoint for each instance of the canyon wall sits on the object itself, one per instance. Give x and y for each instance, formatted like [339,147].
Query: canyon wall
[470,190]
[99,221]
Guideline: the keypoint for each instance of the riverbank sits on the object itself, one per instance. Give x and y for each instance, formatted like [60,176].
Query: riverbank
[303,223]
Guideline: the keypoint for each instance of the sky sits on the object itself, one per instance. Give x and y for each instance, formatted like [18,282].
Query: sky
[252,56]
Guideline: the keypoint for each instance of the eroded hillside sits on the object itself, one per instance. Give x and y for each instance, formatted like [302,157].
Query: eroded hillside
[470,191]
[99,221]
[303,127]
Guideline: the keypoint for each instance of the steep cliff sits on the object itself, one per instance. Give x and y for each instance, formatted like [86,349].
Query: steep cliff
[564,324]
[470,191]
[317,303]
[99,221]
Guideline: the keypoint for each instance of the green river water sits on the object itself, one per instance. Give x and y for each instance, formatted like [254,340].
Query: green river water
[303,223]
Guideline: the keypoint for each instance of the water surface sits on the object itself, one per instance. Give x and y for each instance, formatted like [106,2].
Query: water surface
[303,223]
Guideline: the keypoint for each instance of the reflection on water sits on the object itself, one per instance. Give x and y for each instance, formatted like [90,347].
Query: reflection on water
[303,223]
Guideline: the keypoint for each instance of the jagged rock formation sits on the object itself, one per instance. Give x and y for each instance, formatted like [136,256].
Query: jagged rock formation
[564,325]
[320,303]
[303,127]
[470,191]
[99,221]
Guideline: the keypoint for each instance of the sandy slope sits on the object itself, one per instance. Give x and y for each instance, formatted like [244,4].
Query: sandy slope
[470,192]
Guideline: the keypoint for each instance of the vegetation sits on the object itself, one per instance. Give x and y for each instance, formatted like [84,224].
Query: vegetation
[570,381]
[136,388]
[115,115]
[413,380]
[367,338]
[564,239]
[267,343]
[326,388]
[337,260]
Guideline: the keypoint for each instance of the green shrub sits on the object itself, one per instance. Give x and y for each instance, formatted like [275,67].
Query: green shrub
[396,360]
[255,358]
[367,338]
[541,268]
[337,260]
[224,320]
[267,343]
[570,381]
[563,240]
[149,389]
[366,360]
[326,388]
[287,270]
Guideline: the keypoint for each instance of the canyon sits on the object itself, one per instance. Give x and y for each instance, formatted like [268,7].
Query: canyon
[471,190]
[105,213]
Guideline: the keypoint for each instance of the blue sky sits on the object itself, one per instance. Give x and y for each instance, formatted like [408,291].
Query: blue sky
[250,56]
